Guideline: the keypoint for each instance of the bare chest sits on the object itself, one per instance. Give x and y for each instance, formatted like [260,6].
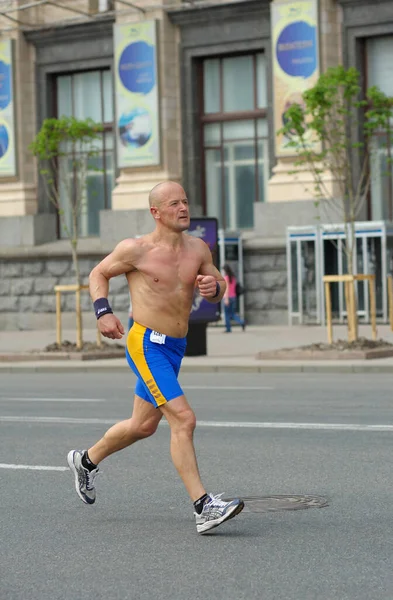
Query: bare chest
[164,269]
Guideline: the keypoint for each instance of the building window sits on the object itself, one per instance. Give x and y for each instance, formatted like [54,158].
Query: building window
[235,132]
[380,72]
[83,95]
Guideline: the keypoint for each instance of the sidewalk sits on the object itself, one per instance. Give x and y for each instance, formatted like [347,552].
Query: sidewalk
[226,352]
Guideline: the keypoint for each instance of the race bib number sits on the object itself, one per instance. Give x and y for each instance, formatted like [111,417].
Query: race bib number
[157,338]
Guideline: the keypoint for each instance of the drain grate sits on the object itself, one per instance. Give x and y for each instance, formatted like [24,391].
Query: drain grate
[261,504]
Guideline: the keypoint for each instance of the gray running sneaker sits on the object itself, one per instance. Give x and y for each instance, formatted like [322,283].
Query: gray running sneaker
[215,511]
[84,479]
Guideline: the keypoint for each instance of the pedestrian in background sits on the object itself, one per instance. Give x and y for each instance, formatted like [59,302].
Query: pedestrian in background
[230,300]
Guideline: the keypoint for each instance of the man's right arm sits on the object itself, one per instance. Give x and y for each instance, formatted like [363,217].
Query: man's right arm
[119,262]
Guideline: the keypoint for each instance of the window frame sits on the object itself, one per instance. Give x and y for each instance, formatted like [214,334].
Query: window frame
[108,126]
[363,46]
[221,117]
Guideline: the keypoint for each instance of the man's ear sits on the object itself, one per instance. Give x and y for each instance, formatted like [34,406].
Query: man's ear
[155,212]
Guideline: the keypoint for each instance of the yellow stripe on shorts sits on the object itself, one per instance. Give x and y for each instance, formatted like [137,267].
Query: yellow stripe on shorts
[137,353]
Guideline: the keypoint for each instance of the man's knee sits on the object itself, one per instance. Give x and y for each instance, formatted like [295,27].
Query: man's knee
[185,421]
[147,428]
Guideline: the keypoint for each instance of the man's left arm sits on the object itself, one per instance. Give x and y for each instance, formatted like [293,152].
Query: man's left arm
[210,282]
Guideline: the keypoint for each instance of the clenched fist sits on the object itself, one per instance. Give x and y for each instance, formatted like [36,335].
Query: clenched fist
[110,327]
[207,285]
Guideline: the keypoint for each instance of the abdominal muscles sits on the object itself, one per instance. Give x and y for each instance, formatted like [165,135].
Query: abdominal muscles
[161,304]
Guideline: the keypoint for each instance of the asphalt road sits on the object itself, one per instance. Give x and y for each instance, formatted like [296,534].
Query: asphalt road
[259,435]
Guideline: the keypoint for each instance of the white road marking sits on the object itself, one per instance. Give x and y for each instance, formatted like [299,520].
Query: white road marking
[318,426]
[59,420]
[218,424]
[33,467]
[26,399]
[227,388]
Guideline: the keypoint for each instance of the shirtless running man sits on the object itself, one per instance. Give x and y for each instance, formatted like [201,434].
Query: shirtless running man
[162,269]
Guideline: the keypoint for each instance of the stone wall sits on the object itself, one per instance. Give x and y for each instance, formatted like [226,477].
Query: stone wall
[265,282]
[27,299]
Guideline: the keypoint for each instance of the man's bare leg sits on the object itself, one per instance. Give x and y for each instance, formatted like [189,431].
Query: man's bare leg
[210,511]
[182,422]
[142,424]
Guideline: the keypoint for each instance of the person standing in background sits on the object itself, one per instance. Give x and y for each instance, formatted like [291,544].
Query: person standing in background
[230,299]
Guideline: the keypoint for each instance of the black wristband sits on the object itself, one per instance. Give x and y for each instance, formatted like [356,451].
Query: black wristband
[102,307]
[218,290]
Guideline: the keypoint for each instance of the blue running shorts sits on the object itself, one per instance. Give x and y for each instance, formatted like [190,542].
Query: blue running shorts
[155,359]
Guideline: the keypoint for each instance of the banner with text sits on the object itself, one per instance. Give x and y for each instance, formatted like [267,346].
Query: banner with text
[7,115]
[205,228]
[136,91]
[295,59]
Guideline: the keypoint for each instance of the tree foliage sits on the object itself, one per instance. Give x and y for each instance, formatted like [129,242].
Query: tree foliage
[64,148]
[334,133]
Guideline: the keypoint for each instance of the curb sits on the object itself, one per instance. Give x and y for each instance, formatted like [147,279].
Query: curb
[213,368]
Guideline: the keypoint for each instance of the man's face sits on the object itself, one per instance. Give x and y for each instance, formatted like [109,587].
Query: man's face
[174,211]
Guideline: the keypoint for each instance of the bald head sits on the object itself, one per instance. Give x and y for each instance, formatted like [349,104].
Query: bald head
[163,190]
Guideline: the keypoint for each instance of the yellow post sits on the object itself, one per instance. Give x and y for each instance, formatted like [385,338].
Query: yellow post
[348,307]
[354,312]
[352,336]
[373,309]
[58,317]
[329,312]
[78,318]
[99,338]
[390,296]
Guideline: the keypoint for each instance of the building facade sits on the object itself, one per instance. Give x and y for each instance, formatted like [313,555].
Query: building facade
[218,98]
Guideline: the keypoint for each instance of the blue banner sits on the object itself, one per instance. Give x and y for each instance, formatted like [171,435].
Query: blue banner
[136,86]
[295,60]
[7,120]
[206,229]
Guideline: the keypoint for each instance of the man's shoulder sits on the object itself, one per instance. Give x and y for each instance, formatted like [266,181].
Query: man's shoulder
[134,243]
[194,241]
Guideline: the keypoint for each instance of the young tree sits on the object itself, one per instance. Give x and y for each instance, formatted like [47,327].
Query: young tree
[65,148]
[333,132]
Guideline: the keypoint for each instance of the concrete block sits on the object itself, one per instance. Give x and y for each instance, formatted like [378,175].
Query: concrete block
[120,302]
[11,269]
[8,303]
[117,225]
[44,285]
[58,267]
[86,302]
[272,280]
[5,287]
[29,304]
[118,285]
[47,304]
[22,287]
[32,268]
[260,262]
[86,266]
[70,280]
[257,300]
[279,299]
[27,230]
